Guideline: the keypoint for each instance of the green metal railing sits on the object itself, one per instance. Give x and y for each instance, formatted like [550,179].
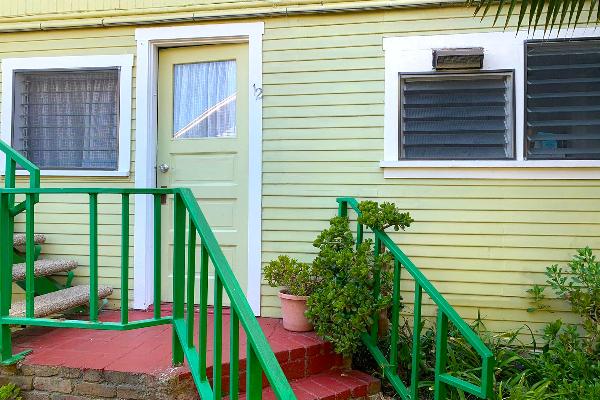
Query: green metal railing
[445,314]
[260,357]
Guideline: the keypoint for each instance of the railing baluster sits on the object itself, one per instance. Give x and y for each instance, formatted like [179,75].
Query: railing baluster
[157,256]
[441,354]
[359,234]
[191,280]
[253,375]
[203,317]
[178,271]
[124,258]
[93,257]
[5,275]
[218,337]
[234,358]
[416,348]
[395,316]
[376,290]
[29,258]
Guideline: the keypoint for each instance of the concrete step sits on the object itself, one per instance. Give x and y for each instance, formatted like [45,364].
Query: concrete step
[43,268]
[60,301]
[331,385]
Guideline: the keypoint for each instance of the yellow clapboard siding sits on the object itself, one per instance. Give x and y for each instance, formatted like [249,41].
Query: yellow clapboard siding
[482,242]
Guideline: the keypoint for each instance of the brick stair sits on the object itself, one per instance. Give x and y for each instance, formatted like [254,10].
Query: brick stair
[315,372]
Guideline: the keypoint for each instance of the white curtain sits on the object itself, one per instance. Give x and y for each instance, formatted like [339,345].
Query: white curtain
[68,119]
[204,99]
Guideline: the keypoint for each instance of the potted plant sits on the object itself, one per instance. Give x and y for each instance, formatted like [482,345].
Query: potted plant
[298,282]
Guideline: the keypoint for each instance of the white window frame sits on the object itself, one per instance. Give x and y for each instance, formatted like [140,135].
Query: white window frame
[503,51]
[123,62]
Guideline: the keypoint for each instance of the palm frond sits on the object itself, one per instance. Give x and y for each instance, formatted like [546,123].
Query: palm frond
[551,14]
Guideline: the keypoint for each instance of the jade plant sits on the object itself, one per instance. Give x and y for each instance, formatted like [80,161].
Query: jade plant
[342,305]
[296,277]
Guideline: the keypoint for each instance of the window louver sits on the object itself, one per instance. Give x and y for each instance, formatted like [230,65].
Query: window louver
[563,100]
[458,116]
[67,119]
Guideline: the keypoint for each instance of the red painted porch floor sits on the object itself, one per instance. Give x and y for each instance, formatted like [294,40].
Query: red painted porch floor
[308,362]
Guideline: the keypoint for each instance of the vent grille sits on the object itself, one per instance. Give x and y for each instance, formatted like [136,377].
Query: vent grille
[467,58]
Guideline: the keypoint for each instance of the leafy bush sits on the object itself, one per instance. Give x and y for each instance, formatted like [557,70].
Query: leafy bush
[342,305]
[383,216]
[566,368]
[10,392]
[297,277]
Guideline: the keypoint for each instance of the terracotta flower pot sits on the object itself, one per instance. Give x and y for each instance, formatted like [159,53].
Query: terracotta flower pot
[293,309]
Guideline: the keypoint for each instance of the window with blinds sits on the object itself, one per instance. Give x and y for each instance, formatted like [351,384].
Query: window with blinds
[457,116]
[67,119]
[563,100]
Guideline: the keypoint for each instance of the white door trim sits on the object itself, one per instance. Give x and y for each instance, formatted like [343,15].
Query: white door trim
[149,40]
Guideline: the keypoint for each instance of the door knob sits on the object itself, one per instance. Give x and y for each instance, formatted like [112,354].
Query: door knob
[163,168]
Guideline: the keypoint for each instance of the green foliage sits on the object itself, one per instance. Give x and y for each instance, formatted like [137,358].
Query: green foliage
[580,286]
[557,13]
[297,277]
[10,392]
[342,306]
[382,216]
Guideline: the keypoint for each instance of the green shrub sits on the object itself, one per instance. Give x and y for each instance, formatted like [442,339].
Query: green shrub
[10,392]
[342,305]
[383,216]
[566,368]
[297,277]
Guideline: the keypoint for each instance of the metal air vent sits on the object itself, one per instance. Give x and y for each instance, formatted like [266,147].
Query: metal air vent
[461,58]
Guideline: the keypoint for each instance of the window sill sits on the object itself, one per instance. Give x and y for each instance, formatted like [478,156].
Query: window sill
[76,173]
[492,169]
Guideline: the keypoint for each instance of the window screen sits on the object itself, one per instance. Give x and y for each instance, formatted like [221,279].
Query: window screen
[563,100]
[458,116]
[67,119]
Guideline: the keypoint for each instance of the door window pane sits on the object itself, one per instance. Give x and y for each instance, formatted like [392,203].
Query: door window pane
[204,99]
[67,119]
[563,100]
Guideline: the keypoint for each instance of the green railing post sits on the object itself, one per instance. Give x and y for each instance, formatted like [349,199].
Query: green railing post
[253,375]
[191,280]
[29,258]
[441,354]
[5,277]
[234,357]
[178,273]
[395,317]
[203,317]
[218,337]
[124,258]
[416,347]
[157,255]
[376,290]
[93,257]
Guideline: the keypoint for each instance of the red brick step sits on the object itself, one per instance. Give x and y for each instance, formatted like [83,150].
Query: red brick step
[331,385]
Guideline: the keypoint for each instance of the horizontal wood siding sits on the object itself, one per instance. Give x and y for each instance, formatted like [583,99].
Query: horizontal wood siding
[482,242]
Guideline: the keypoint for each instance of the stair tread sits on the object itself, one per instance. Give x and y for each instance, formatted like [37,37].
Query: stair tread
[61,300]
[19,239]
[331,385]
[43,268]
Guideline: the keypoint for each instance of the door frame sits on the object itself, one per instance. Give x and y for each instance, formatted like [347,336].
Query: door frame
[149,40]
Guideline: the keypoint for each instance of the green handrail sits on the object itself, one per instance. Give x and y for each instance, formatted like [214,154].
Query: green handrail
[8,211]
[446,313]
[260,357]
